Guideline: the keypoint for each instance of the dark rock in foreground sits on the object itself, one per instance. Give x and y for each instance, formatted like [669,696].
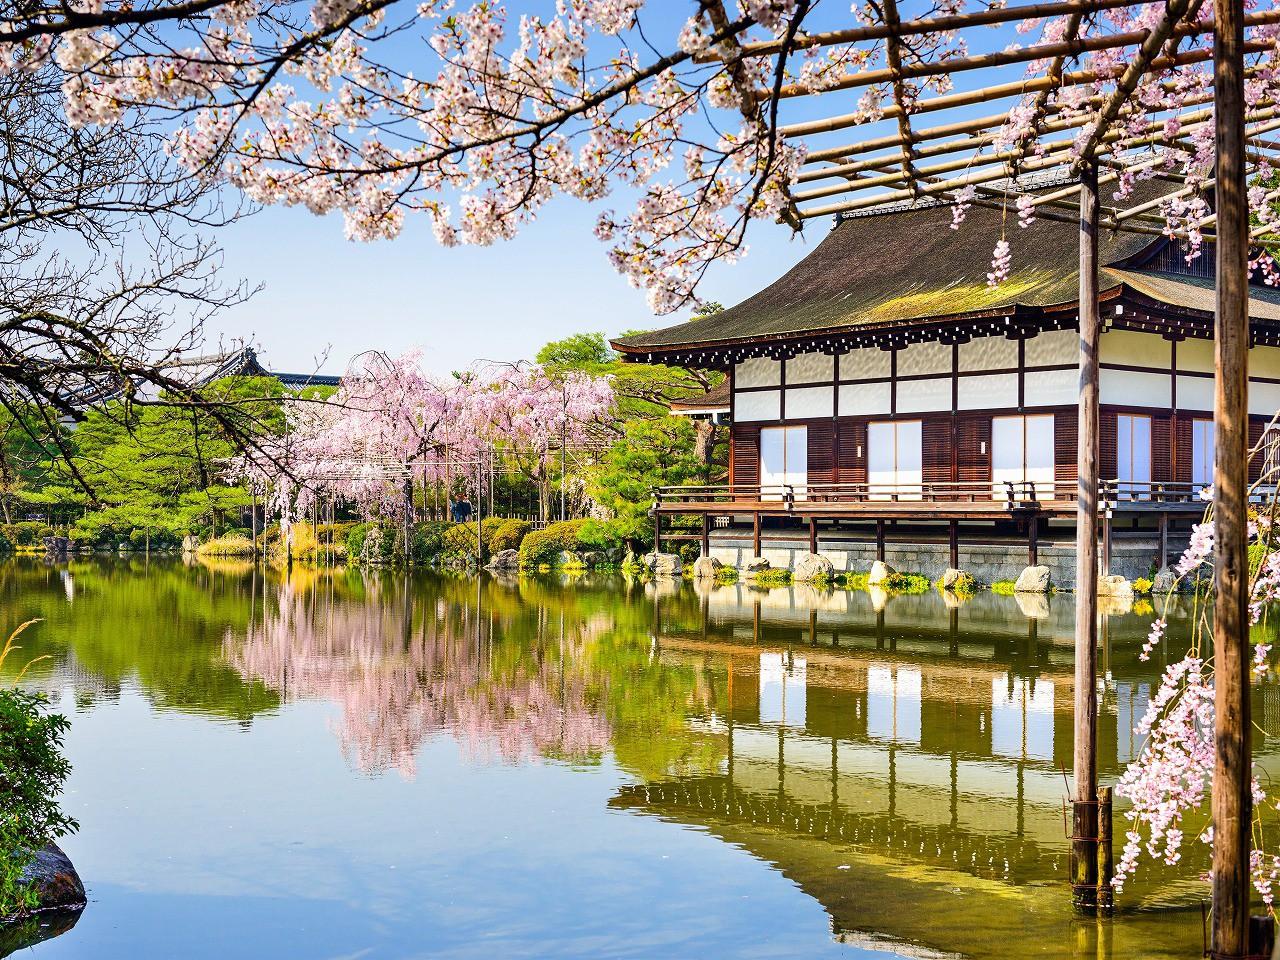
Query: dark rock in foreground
[62,898]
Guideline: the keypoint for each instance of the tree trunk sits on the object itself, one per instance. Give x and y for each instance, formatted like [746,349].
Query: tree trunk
[705,446]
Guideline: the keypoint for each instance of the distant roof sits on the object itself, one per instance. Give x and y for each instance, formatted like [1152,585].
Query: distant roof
[714,400]
[905,265]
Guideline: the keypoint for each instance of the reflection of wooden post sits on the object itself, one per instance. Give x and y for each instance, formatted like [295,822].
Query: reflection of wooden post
[813,626]
[1231,795]
[755,533]
[1083,811]
[1105,863]
[880,540]
[1106,542]
[755,622]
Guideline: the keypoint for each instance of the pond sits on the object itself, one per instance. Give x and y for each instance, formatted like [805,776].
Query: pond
[341,763]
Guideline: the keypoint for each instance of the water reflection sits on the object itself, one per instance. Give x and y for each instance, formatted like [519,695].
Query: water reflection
[899,758]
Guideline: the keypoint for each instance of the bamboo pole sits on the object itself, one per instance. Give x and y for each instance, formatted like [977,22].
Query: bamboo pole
[1231,780]
[1084,812]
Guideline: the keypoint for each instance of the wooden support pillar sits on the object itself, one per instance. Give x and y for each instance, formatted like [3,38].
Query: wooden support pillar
[1084,811]
[1106,542]
[1232,802]
[1162,560]
[953,537]
[880,540]
[657,532]
[813,535]
[1033,542]
[755,534]
[706,534]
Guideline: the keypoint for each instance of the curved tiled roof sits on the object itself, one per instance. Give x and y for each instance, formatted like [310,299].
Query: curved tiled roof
[907,265]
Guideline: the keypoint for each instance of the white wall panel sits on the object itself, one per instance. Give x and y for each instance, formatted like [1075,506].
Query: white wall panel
[985,392]
[1196,356]
[1135,389]
[863,399]
[1264,398]
[865,364]
[757,372]
[811,368]
[1052,348]
[1195,393]
[1265,362]
[920,396]
[921,358]
[1136,349]
[757,405]
[1051,388]
[806,402]
[989,353]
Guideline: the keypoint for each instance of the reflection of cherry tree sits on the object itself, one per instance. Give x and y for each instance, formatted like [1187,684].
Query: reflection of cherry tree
[398,682]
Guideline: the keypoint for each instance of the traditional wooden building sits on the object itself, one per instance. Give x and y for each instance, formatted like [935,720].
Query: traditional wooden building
[883,381]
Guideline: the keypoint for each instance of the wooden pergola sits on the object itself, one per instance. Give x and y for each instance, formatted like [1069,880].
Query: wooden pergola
[1084,122]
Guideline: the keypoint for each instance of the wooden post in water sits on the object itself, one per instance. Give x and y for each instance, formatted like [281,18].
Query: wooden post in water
[1232,802]
[953,537]
[880,540]
[1106,861]
[657,532]
[755,533]
[813,534]
[1084,811]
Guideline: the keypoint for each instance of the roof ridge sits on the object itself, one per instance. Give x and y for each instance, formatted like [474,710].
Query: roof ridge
[1040,180]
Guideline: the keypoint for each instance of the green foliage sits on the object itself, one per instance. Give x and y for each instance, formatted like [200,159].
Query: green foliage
[852,581]
[33,772]
[230,545]
[428,541]
[356,537]
[773,577]
[26,533]
[727,574]
[509,535]
[543,546]
[651,453]
[965,585]
[459,539]
[1004,588]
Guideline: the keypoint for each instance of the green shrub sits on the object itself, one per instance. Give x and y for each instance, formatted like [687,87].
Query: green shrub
[964,586]
[232,545]
[428,540]
[905,583]
[773,577]
[33,772]
[509,535]
[459,539]
[26,533]
[356,537]
[1004,587]
[543,546]
[727,574]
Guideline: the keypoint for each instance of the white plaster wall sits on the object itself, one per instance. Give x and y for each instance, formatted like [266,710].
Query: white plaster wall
[757,405]
[922,396]
[1264,398]
[1195,356]
[757,372]
[810,402]
[865,364]
[1135,389]
[1053,347]
[863,399]
[1051,388]
[988,353]
[1135,349]
[811,368]
[1265,362]
[984,392]
[921,358]
[1195,393]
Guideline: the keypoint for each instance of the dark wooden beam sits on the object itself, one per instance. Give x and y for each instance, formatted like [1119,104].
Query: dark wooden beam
[1232,802]
[1084,831]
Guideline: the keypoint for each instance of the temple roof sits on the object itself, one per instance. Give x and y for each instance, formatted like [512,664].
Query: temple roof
[906,265]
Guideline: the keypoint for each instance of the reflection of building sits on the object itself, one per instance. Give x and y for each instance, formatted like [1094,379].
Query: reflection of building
[904,771]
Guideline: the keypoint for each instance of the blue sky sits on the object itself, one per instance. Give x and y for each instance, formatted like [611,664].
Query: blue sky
[322,292]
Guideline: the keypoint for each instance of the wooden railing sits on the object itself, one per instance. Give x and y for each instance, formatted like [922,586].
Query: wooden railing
[1015,495]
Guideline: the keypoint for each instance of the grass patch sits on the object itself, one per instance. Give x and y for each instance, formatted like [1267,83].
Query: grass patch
[1004,588]
[964,587]
[772,578]
[727,575]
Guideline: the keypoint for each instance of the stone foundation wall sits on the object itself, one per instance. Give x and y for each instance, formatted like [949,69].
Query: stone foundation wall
[987,562]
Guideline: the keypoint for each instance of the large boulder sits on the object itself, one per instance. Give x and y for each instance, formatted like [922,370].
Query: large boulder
[1115,586]
[953,579]
[664,564]
[569,560]
[56,883]
[594,558]
[879,573]
[505,560]
[755,565]
[190,543]
[1166,581]
[707,568]
[813,567]
[1032,580]
[56,547]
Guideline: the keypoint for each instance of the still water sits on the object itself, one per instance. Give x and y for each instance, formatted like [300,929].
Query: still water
[345,764]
